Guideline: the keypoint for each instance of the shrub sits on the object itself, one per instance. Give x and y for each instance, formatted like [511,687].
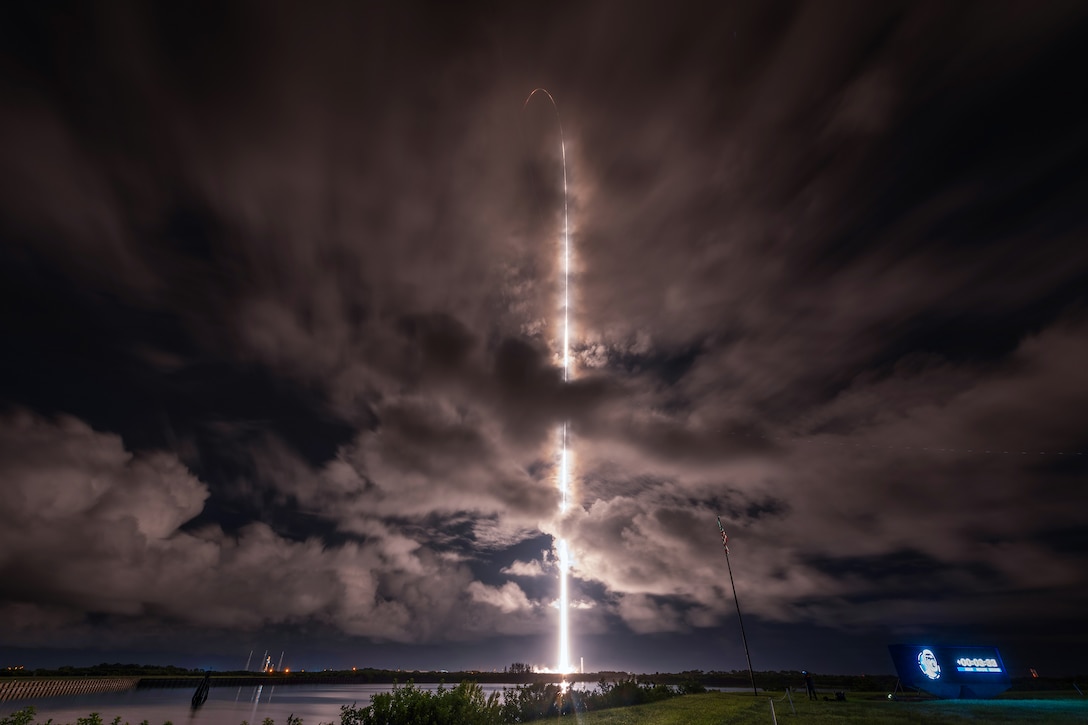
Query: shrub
[408,705]
[20,717]
[691,687]
[624,693]
[530,702]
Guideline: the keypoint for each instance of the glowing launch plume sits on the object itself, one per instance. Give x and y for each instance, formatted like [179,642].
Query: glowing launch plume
[563,479]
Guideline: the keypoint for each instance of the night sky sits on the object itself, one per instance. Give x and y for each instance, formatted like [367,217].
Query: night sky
[280,303]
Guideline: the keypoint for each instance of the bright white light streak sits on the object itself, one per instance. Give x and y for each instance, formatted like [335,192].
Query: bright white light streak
[561,548]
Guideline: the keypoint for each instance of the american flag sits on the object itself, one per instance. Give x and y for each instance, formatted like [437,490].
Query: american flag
[725,538]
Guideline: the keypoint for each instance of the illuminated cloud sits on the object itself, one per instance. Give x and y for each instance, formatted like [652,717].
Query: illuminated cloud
[525,568]
[508,597]
[280,326]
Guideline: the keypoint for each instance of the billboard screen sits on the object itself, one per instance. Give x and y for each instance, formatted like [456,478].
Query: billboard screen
[951,672]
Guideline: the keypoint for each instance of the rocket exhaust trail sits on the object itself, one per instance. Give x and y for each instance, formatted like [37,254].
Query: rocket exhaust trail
[561,548]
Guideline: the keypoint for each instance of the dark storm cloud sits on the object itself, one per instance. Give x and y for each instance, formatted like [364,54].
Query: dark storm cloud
[282,284]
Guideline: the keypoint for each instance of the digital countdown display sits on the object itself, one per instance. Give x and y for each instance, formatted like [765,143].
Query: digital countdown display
[951,672]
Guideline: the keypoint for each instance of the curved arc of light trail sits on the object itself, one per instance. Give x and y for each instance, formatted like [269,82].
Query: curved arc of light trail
[562,550]
[566,231]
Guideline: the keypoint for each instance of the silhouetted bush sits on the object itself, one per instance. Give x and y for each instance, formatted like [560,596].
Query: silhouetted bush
[530,702]
[20,717]
[691,687]
[625,693]
[463,705]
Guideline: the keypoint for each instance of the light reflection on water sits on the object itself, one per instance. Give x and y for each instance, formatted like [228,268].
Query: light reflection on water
[315,704]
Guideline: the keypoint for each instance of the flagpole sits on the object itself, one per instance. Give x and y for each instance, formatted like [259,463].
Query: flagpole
[743,637]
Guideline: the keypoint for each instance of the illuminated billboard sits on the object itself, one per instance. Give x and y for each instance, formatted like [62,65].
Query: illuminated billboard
[951,672]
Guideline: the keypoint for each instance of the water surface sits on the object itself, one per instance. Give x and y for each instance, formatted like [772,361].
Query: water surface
[315,704]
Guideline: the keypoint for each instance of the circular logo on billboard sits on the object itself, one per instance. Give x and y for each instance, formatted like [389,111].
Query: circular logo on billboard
[927,663]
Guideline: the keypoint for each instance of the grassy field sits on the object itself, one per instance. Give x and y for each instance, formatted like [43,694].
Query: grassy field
[717,708]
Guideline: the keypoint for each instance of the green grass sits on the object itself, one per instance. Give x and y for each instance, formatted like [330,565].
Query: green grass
[718,708]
